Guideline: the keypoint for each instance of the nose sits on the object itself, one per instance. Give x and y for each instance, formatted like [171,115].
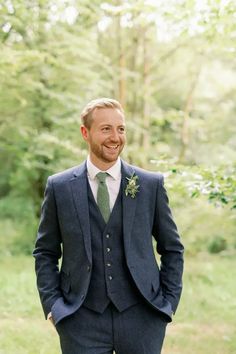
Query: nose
[114,136]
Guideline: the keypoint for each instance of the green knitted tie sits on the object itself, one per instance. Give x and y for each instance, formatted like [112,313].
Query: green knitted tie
[103,196]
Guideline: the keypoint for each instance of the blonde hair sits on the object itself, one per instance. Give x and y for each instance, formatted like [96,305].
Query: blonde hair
[104,102]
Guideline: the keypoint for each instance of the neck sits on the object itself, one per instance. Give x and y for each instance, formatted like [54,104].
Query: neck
[101,165]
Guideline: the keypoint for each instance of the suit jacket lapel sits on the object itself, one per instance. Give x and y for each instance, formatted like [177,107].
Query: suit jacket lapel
[129,205]
[80,196]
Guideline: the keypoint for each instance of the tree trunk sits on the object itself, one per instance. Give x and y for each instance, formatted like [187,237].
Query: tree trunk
[185,134]
[146,90]
[121,62]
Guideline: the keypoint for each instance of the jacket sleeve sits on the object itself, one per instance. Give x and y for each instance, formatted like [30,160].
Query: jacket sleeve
[169,247]
[48,251]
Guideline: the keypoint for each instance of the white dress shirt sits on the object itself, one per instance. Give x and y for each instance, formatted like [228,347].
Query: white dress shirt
[112,181]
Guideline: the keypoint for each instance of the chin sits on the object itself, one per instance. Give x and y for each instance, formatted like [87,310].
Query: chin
[110,158]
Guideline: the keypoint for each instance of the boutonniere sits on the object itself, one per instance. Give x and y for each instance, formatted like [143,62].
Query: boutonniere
[132,186]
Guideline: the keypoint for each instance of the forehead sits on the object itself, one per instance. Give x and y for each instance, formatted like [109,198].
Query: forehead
[108,115]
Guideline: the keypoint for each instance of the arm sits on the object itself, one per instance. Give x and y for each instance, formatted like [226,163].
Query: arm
[48,251]
[169,247]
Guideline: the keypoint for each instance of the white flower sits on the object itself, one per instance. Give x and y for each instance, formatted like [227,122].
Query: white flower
[132,188]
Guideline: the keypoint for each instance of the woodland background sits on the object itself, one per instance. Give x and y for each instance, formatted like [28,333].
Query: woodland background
[172,65]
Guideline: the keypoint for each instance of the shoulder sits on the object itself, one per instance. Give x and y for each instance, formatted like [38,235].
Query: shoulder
[67,174]
[154,176]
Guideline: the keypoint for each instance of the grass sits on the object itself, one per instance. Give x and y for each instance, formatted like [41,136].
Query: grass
[204,324]
[23,329]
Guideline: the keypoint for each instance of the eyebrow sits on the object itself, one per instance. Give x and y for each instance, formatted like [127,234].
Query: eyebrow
[110,125]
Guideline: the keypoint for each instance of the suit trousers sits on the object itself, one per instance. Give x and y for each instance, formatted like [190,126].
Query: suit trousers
[140,329]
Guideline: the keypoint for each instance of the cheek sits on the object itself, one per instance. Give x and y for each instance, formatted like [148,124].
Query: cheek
[123,139]
[96,139]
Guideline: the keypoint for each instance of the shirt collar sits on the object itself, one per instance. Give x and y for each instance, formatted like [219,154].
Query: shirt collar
[114,171]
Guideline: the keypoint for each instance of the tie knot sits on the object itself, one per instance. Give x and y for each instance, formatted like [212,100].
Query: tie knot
[101,176]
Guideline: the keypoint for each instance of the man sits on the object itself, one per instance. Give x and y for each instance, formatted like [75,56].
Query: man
[99,217]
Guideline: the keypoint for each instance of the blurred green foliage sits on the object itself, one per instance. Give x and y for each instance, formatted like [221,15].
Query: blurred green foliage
[172,66]
[217,244]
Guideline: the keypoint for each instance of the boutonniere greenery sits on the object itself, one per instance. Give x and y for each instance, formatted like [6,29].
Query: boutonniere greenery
[132,187]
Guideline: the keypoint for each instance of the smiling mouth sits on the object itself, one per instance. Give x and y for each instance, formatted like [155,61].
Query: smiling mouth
[114,147]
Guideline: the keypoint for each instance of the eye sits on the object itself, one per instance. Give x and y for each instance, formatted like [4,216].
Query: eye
[121,130]
[106,129]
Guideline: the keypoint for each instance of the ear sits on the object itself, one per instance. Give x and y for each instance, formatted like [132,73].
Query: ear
[84,132]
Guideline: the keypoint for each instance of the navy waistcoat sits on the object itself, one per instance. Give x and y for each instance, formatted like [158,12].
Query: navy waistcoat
[110,279]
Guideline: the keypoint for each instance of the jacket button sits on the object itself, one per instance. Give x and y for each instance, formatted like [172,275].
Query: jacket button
[107,236]
[109,264]
[108,249]
[82,296]
[88,268]
[110,277]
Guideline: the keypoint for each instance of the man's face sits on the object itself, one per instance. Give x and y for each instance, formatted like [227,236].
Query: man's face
[106,136]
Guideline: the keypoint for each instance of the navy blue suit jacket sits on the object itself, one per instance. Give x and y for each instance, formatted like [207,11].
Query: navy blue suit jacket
[64,232]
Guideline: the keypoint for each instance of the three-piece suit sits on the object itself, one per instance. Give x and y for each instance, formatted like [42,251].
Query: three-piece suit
[108,276]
